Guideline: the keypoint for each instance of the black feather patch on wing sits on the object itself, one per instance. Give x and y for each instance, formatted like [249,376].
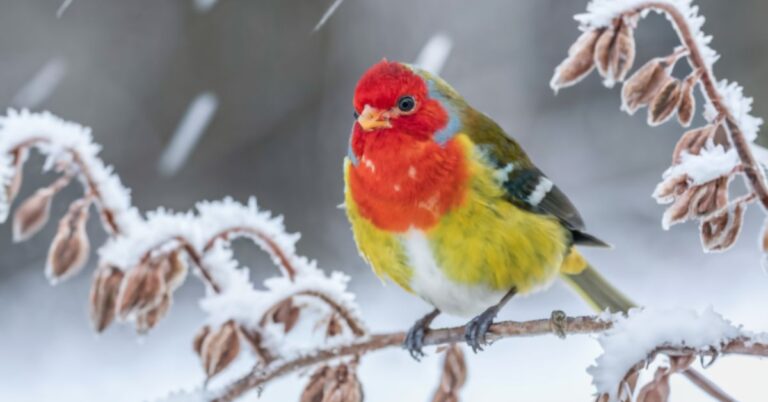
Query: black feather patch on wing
[532,190]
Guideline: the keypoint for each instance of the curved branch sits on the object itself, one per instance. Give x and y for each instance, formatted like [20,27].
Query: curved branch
[752,169]
[263,240]
[107,215]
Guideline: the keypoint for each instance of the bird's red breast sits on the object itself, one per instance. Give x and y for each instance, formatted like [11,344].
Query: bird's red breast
[401,183]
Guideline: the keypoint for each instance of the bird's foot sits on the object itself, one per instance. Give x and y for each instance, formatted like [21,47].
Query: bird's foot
[559,321]
[476,330]
[414,339]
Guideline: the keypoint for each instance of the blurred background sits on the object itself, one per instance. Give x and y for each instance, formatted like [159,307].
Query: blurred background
[282,99]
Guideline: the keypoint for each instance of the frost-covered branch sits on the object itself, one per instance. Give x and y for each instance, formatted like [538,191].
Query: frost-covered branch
[639,337]
[705,159]
[146,259]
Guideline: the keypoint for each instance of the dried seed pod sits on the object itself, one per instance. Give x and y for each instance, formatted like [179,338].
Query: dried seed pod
[344,386]
[220,348]
[731,232]
[680,209]
[764,243]
[314,391]
[334,327]
[175,271]
[602,53]
[70,247]
[453,377]
[103,297]
[197,343]
[644,84]
[665,103]
[667,190]
[678,364]
[692,142]
[12,190]
[148,319]
[687,105]
[286,313]
[705,200]
[622,53]
[579,62]
[142,289]
[32,214]
[656,390]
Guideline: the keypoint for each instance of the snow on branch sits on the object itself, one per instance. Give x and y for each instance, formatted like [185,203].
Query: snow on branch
[145,260]
[705,159]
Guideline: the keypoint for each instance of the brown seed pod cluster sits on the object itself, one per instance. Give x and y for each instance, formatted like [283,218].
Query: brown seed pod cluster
[218,347]
[453,376]
[333,384]
[611,50]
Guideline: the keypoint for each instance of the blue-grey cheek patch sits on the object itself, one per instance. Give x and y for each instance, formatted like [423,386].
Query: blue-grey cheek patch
[350,152]
[351,155]
[454,122]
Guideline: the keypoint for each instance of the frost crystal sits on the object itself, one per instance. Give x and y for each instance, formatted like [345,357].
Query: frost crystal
[600,13]
[632,339]
[713,162]
[57,139]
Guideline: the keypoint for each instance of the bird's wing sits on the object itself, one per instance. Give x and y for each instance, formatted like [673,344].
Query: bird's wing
[524,184]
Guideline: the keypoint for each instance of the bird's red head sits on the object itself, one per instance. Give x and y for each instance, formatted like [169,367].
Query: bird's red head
[392,98]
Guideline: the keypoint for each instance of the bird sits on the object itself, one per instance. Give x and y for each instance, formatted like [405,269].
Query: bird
[445,204]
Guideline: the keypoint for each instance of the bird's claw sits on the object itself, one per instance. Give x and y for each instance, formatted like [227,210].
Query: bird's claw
[414,340]
[476,330]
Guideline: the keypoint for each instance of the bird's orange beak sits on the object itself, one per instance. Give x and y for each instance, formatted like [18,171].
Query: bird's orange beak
[372,118]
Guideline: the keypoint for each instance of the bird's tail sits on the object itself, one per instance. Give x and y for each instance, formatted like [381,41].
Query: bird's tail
[591,286]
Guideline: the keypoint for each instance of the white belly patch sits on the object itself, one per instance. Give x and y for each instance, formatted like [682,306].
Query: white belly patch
[431,284]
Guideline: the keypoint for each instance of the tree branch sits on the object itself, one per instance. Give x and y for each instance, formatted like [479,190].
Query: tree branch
[506,329]
[752,169]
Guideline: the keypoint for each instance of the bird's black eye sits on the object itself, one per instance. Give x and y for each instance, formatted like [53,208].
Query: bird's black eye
[406,103]
[355,114]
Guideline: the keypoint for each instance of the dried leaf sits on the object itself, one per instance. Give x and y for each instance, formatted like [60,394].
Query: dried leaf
[220,348]
[104,289]
[579,62]
[32,214]
[197,343]
[343,387]
[453,377]
[665,103]
[70,247]
[314,391]
[643,85]
[705,200]
[687,105]
[656,390]
[142,289]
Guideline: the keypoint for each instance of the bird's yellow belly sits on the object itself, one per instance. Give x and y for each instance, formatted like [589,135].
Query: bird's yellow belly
[474,255]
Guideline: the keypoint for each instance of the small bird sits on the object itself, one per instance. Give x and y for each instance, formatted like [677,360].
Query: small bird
[442,202]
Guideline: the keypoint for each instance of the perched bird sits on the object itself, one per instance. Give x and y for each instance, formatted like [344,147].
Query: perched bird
[446,205]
